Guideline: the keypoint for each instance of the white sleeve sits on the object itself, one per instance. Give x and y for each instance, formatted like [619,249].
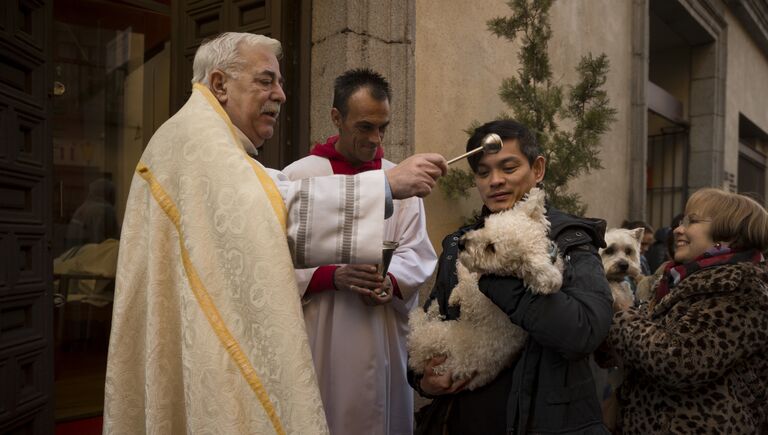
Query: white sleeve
[335,219]
[415,259]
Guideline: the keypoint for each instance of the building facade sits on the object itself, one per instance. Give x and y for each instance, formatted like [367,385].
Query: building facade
[688,79]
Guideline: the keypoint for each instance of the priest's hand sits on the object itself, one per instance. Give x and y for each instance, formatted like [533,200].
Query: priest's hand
[416,175]
[358,278]
[435,382]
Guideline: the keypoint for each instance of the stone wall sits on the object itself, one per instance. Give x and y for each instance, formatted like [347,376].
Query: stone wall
[377,34]
[746,89]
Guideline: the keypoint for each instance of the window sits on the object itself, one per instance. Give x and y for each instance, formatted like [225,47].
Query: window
[111,72]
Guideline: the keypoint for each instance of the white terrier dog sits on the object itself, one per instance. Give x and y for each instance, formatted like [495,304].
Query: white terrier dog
[621,259]
[483,341]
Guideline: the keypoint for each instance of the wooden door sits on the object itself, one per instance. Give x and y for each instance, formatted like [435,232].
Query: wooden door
[288,21]
[26,333]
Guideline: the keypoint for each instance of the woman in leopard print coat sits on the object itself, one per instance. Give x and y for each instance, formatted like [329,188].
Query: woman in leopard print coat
[696,357]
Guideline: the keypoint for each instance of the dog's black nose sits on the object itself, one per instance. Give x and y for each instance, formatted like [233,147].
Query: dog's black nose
[622,265]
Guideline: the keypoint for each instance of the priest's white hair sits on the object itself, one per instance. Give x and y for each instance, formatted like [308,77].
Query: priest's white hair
[222,53]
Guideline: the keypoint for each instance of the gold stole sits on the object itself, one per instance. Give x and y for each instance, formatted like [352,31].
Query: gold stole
[266,181]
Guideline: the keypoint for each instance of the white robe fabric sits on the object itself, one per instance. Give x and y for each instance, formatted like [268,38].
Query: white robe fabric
[207,334]
[360,351]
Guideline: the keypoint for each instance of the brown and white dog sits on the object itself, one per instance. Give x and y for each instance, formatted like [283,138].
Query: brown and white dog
[621,259]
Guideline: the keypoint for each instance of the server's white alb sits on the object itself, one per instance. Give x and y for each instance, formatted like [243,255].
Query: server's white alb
[359,350]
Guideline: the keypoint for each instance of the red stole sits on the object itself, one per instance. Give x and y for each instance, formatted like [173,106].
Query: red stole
[339,163]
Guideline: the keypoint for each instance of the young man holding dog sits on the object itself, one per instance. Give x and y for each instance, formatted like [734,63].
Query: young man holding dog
[550,388]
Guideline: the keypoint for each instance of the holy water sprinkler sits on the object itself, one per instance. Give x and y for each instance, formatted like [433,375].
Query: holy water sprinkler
[387,250]
[491,144]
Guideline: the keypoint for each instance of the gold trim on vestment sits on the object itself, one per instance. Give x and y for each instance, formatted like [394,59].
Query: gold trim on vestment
[206,303]
[266,181]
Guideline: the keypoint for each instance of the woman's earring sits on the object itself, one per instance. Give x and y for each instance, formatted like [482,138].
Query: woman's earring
[718,245]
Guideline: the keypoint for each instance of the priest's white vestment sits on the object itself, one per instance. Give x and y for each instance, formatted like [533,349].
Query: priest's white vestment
[207,334]
[359,350]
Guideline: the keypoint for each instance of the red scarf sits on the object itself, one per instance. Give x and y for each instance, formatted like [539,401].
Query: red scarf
[339,163]
[676,272]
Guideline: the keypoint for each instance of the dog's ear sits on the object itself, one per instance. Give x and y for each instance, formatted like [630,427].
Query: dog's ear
[533,204]
[637,233]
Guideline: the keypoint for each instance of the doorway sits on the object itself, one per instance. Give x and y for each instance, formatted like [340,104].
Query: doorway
[116,78]
[110,68]
[83,86]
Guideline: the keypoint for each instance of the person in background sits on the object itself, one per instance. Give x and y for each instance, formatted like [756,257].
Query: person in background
[357,327]
[643,293]
[658,252]
[95,220]
[645,243]
[696,356]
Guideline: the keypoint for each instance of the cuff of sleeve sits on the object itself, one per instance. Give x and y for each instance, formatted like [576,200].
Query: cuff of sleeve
[395,287]
[622,321]
[417,386]
[322,279]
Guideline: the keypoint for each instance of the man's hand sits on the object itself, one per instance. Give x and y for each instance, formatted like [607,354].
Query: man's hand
[379,296]
[504,291]
[416,175]
[358,278]
[438,384]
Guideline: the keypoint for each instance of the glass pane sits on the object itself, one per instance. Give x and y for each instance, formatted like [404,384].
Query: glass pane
[111,68]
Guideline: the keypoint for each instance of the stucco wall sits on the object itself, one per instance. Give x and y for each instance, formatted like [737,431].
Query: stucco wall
[746,88]
[460,65]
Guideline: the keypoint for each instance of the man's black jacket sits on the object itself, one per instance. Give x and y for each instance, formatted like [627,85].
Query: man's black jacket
[550,389]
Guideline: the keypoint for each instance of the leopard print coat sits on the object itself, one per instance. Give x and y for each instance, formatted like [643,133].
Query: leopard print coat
[698,361]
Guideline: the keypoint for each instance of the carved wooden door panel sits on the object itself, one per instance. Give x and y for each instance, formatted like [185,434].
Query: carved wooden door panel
[26,334]
[288,21]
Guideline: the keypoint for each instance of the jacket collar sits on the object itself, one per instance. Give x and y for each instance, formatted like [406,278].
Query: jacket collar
[722,279]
